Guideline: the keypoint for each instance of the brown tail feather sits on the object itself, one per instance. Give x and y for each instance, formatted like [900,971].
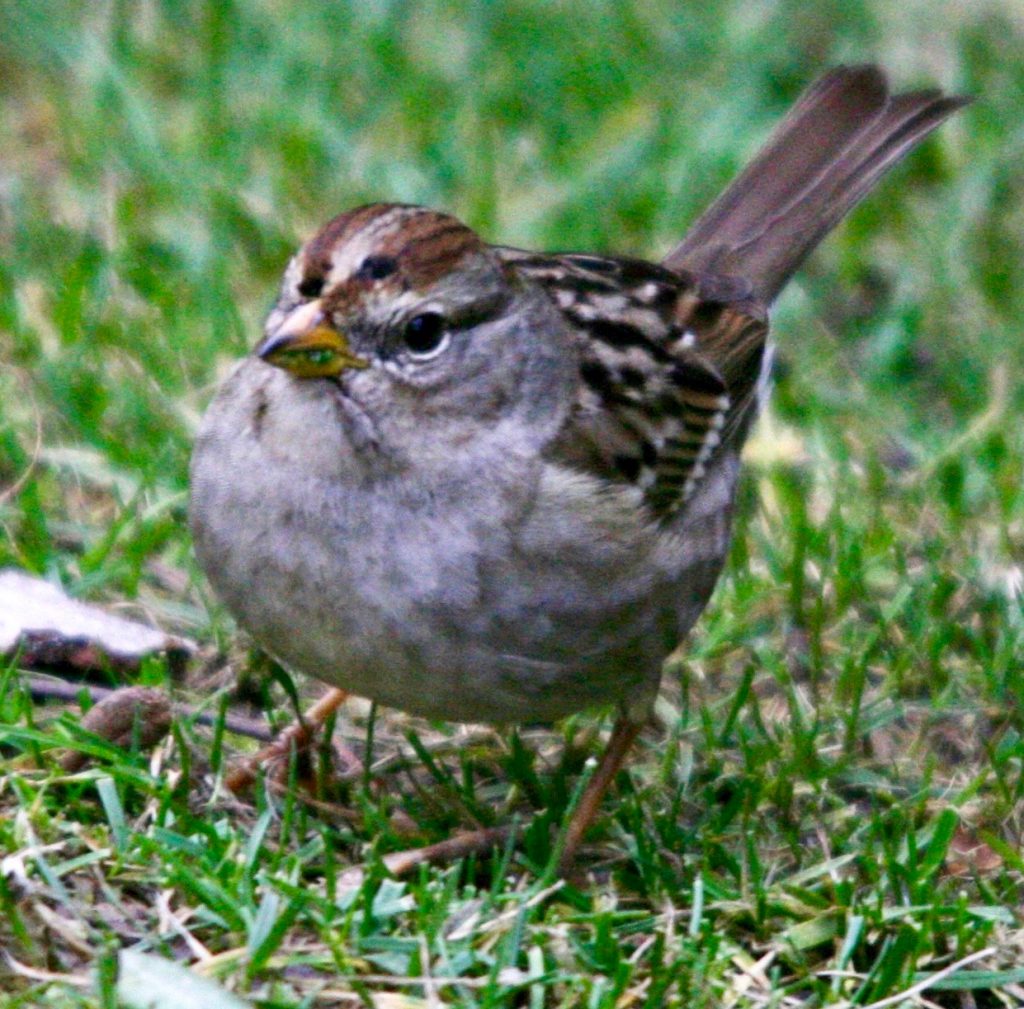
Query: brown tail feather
[836,142]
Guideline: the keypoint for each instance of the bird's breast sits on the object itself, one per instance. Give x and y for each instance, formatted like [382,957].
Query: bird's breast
[509,590]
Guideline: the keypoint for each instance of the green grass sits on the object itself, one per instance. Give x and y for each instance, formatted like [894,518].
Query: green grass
[846,721]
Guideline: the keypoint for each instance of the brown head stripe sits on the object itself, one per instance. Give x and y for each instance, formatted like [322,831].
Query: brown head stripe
[337,230]
[424,244]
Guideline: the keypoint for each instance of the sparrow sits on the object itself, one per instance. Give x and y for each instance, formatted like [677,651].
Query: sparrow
[484,484]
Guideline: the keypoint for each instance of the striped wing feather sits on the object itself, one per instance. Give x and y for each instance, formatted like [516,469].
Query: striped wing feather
[669,366]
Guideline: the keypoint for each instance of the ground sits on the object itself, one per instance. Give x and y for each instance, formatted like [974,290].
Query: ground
[828,810]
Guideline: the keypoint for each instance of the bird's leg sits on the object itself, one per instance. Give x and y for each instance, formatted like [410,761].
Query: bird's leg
[297,736]
[479,842]
[623,735]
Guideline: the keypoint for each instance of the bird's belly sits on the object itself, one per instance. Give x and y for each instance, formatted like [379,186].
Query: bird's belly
[467,623]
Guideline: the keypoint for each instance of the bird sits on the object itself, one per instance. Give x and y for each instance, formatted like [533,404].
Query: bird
[484,484]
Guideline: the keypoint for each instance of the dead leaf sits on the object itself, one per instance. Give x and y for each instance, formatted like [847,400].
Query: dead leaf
[126,713]
[968,854]
[47,629]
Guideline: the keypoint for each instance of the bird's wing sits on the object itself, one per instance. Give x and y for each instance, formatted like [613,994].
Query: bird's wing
[669,366]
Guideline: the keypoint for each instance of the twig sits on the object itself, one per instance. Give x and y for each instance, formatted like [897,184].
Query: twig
[330,810]
[401,863]
[402,758]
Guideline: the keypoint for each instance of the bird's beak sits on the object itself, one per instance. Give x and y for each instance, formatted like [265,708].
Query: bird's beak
[307,346]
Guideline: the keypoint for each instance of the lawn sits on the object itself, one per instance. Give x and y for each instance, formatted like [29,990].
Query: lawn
[829,809]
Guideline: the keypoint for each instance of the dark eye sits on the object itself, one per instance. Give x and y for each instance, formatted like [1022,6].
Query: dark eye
[311,287]
[424,334]
[376,267]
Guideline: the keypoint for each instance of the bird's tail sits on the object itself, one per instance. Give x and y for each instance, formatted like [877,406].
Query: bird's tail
[837,141]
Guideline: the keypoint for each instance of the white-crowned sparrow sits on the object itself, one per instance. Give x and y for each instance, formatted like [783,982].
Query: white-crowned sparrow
[483,484]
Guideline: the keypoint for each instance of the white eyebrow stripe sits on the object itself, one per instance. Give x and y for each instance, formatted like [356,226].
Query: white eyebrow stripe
[347,258]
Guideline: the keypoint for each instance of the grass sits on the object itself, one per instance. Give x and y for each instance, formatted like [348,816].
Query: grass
[831,810]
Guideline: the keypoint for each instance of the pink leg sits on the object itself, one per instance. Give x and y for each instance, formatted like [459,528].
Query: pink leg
[623,736]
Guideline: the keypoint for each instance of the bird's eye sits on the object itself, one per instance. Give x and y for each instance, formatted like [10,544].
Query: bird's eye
[426,335]
[376,267]
[311,287]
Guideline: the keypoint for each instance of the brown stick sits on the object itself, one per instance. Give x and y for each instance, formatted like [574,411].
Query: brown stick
[401,863]
[476,842]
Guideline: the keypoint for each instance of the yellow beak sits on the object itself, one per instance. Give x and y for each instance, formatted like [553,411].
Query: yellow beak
[307,347]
